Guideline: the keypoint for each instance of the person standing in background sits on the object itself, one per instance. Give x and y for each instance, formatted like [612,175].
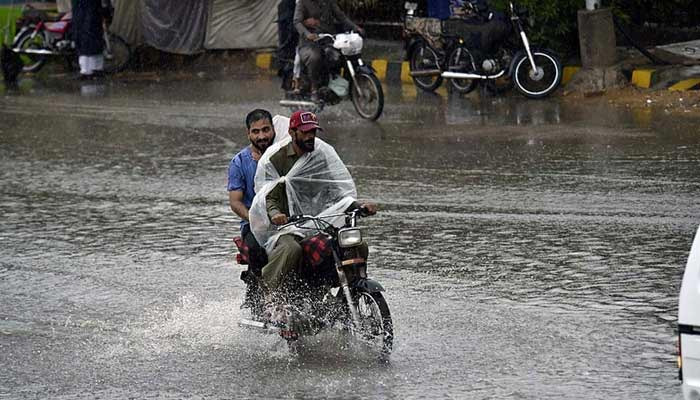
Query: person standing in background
[88,32]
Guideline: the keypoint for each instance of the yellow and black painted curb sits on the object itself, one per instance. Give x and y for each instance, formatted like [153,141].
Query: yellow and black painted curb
[647,78]
[398,71]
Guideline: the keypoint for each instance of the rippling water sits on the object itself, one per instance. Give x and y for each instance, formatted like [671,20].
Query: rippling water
[530,249]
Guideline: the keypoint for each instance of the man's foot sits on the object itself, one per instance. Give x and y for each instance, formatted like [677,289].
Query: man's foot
[296,86]
[275,314]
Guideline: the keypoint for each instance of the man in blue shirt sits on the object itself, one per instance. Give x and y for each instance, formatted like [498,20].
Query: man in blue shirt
[241,190]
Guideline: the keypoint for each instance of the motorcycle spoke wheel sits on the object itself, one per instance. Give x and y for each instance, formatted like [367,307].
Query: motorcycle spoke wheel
[376,329]
[539,83]
[461,60]
[424,58]
[117,53]
[367,96]
[32,62]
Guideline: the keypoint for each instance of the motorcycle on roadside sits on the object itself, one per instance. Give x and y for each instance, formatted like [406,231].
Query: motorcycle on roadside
[332,290]
[40,39]
[347,77]
[535,72]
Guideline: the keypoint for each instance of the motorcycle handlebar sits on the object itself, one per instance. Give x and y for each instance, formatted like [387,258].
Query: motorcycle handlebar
[295,219]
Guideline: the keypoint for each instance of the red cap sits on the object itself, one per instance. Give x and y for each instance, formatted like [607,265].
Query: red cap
[304,121]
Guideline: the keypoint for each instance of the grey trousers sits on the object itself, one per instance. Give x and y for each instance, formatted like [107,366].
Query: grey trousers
[283,259]
[311,55]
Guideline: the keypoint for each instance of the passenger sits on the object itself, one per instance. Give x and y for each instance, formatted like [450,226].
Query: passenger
[323,179]
[241,191]
[311,18]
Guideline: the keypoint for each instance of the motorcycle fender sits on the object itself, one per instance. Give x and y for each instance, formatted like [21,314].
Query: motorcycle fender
[366,69]
[368,285]
[522,53]
[410,46]
[19,34]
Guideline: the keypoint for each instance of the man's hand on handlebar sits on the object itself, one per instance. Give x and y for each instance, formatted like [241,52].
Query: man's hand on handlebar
[312,22]
[368,209]
[279,219]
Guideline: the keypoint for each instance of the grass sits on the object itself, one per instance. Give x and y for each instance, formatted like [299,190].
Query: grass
[13,13]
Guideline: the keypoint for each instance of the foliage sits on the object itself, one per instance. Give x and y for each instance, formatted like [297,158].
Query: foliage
[554,22]
[8,14]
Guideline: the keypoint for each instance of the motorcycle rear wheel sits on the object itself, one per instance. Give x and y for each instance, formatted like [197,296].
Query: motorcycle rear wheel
[369,98]
[376,328]
[540,83]
[422,58]
[117,53]
[31,62]
[461,60]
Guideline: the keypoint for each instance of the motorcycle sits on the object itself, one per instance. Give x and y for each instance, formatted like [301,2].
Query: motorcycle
[348,77]
[335,293]
[534,71]
[41,39]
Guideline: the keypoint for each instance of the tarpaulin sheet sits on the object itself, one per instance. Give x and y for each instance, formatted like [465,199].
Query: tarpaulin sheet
[175,26]
[242,24]
[127,20]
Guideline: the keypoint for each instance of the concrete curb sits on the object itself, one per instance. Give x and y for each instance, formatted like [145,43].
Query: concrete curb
[398,72]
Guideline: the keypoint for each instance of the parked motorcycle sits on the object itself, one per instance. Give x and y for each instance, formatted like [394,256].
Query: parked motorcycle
[41,39]
[335,294]
[348,77]
[534,71]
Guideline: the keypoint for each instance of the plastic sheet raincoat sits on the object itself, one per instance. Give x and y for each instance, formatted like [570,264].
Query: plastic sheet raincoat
[317,184]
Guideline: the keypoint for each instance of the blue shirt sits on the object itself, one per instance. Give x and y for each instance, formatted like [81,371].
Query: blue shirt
[241,177]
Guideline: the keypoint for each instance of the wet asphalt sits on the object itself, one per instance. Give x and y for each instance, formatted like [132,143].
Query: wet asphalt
[530,249]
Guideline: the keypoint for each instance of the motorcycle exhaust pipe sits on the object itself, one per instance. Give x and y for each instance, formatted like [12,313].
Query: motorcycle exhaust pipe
[464,75]
[427,72]
[33,51]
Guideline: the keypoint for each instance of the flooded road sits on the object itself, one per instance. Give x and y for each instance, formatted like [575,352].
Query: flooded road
[530,249]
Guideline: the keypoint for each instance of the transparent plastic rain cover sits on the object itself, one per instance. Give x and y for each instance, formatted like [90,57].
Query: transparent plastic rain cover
[318,184]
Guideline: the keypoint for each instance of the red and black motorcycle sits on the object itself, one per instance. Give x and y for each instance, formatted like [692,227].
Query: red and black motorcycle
[41,38]
[332,288]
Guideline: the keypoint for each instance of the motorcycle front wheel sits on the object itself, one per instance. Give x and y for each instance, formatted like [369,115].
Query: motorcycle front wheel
[541,82]
[461,60]
[367,96]
[424,58]
[117,53]
[376,328]
[31,62]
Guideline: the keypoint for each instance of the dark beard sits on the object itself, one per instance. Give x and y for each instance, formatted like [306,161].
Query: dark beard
[306,147]
[260,147]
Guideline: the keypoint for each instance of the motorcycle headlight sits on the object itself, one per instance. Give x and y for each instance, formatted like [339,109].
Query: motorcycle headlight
[349,237]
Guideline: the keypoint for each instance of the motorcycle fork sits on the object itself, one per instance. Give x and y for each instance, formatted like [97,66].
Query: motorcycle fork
[526,44]
[351,70]
[345,286]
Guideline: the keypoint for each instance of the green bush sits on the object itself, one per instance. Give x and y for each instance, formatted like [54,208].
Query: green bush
[554,22]
[8,29]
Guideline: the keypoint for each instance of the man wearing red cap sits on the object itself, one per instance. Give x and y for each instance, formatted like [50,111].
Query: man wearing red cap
[287,253]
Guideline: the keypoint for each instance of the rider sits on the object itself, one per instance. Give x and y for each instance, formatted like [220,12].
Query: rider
[286,252]
[311,18]
[241,175]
